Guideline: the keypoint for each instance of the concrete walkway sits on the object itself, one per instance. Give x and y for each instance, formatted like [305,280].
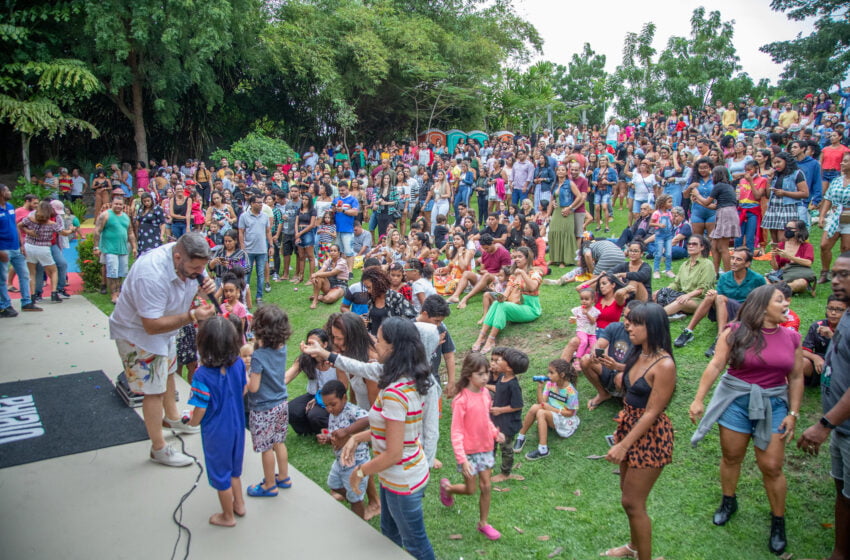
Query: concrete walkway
[115,503]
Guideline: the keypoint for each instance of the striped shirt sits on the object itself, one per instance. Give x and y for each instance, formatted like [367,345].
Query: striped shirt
[401,402]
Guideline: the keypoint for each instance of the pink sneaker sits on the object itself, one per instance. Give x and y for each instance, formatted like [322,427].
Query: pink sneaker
[489,532]
[445,498]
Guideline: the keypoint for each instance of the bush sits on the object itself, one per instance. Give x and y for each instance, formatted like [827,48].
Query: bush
[24,187]
[79,209]
[256,146]
[89,264]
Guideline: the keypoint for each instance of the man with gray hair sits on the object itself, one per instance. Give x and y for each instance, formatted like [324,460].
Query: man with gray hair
[155,302]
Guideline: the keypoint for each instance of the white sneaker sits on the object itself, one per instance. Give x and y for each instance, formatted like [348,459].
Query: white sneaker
[179,427]
[656,275]
[677,316]
[170,458]
[670,274]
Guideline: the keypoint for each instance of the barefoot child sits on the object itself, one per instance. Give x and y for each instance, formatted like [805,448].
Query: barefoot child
[557,404]
[585,318]
[345,419]
[497,291]
[473,434]
[506,413]
[217,390]
[267,406]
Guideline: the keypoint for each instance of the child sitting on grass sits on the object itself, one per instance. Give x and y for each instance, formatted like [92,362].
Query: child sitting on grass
[268,412]
[498,289]
[345,420]
[557,404]
[217,390]
[473,434]
[818,338]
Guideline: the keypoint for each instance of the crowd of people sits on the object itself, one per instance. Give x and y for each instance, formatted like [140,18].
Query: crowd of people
[715,189]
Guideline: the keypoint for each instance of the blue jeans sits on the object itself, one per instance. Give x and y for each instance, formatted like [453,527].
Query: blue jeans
[679,253]
[462,195]
[61,269]
[178,229]
[663,245]
[517,196]
[748,232]
[19,262]
[402,523]
[257,261]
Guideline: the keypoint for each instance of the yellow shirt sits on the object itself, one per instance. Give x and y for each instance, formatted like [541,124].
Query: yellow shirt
[730,116]
[787,118]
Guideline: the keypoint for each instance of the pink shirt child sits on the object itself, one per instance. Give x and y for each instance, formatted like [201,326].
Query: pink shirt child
[472,429]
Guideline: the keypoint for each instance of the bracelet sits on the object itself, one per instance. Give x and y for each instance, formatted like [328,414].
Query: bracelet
[192,315]
[794,413]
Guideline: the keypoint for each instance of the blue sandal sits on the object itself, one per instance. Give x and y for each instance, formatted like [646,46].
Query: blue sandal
[283,483]
[259,492]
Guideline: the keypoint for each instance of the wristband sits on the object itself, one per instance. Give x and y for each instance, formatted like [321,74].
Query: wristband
[359,472]
[192,315]
[332,357]
[824,421]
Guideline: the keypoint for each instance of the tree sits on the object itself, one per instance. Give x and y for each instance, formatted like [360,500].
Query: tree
[584,86]
[38,89]
[150,54]
[636,80]
[691,66]
[820,59]
[523,99]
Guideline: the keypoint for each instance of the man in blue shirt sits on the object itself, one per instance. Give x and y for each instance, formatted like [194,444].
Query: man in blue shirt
[345,209]
[720,304]
[10,254]
[811,171]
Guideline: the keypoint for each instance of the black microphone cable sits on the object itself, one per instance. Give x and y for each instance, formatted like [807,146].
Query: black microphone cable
[177,516]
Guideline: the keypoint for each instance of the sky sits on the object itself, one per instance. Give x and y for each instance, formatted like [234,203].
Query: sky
[605,25]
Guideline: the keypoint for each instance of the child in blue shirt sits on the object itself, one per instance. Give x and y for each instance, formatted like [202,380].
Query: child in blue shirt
[217,390]
[268,411]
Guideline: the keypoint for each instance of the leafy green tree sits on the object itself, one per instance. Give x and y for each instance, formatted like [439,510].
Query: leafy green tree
[691,66]
[820,59]
[636,80]
[38,86]
[151,54]
[584,86]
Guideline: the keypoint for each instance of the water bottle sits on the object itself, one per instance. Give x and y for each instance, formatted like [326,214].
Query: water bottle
[540,378]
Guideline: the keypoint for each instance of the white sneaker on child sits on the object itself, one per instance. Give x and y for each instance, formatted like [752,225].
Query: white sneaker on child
[179,427]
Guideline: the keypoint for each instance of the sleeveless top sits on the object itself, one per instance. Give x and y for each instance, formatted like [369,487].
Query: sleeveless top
[113,239]
[637,394]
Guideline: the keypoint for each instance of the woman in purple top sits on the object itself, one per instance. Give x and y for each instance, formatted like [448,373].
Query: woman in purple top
[758,398]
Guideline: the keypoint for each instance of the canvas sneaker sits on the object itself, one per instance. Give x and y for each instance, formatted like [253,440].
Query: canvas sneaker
[170,458]
[31,307]
[8,312]
[179,427]
[683,339]
[519,443]
[536,454]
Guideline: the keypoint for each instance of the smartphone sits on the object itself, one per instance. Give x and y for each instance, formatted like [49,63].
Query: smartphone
[610,440]
[599,352]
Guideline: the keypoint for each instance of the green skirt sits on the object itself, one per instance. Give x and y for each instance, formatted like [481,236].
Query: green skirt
[562,238]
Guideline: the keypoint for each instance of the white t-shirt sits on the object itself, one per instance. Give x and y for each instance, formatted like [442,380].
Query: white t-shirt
[643,185]
[77,185]
[613,133]
[152,290]
[421,286]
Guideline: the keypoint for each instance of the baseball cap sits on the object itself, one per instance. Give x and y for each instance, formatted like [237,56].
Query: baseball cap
[58,207]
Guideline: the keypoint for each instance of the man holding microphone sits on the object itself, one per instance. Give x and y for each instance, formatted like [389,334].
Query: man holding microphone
[155,302]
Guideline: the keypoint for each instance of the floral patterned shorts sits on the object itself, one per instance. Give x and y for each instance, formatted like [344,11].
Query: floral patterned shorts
[268,427]
[479,462]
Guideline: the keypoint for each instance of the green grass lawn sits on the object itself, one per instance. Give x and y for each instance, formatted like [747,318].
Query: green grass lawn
[683,501]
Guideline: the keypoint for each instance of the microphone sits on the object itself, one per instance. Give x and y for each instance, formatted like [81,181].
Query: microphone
[200,278]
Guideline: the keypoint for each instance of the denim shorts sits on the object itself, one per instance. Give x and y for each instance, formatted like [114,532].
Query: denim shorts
[306,239]
[601,198]
[340,477]
[636,205]
[702,215]
[116,265]
[737,418]
[839,449]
